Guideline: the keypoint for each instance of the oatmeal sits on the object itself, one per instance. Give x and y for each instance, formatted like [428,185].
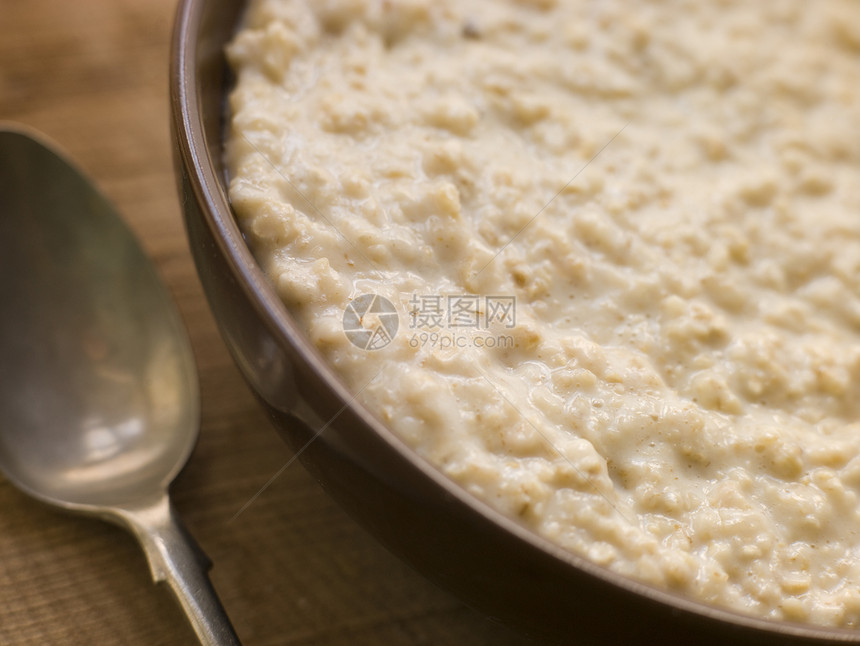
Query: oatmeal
[664,197]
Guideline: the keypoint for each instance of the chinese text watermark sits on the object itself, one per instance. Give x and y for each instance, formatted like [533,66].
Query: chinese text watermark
[442,321]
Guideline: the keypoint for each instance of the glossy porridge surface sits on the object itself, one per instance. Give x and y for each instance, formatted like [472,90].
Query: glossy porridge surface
[621,243]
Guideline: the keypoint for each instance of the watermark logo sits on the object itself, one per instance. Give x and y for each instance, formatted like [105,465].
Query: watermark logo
[428,311]
[461,321]
[370,321]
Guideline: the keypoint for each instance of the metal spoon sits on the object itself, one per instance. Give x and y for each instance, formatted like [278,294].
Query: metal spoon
[98,389]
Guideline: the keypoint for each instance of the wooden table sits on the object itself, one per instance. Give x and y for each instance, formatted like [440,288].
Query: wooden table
[292,569]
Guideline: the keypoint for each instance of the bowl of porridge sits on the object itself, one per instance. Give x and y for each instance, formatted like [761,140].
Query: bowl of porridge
[560,299]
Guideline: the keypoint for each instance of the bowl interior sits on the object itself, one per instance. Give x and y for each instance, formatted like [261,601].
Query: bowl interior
[454,539]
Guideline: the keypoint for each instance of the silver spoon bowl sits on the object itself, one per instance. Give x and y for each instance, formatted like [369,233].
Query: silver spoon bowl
[98,389]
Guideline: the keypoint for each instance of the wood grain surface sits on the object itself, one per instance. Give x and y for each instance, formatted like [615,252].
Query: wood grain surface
[292,569]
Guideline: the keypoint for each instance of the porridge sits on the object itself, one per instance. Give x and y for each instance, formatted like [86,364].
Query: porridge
[623,250]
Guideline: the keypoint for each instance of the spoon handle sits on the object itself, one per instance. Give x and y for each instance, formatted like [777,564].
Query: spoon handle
[175,558]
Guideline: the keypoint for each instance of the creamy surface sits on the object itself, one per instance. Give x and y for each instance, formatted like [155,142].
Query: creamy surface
[670,192]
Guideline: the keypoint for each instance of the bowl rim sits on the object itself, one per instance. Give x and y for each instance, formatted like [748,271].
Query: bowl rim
[210,192]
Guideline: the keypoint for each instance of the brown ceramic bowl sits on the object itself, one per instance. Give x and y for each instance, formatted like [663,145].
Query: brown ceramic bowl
[455,540]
